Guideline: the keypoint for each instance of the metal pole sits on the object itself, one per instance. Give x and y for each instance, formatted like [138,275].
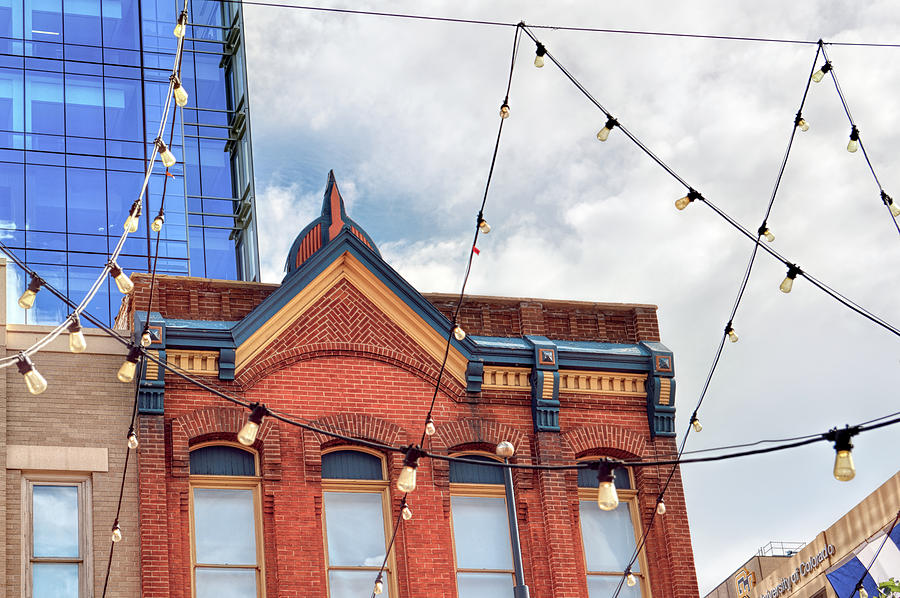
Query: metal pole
[520,590]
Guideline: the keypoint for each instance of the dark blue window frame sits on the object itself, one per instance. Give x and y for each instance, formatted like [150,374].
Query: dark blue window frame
[222,460]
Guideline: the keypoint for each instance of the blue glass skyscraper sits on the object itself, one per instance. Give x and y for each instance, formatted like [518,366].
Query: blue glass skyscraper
[82,87]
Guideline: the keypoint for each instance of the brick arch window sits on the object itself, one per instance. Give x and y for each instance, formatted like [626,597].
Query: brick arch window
[481,542]
[226,523]
[357,522]
[609,538]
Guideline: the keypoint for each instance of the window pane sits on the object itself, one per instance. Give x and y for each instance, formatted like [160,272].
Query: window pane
[587,478]
[608,537]
[484,585]
[354,523]
[354,584]
[224,527]
[351,465]
[603,586]
[44,103]
[54,580]
[222,460]
[475,474]
[45,202]
[226,583]
[481,532]
[55,521]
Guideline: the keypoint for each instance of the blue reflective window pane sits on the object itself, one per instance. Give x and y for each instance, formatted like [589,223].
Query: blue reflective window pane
[80,281]
[209,82]
[55,521]
[85,54]
[43,20]
[215,170]
[84,106]
[12,100]
[120,24]
[10,20]
[123,111]
[198,263]
[41,256]
[82,21]
[86,201]
[12,198]
[220,256]
[122,188]
[44,103]
[40,240]
[45,198]
[55,580]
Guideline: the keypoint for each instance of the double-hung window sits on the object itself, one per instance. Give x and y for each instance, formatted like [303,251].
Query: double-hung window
[58,538]
[226,531]
[481,541]
[357,523]
[609,538]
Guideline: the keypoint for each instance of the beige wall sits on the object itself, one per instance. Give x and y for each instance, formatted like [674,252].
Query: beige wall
[78,426]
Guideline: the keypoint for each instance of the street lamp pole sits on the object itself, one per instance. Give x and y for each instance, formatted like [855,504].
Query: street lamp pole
[520,590]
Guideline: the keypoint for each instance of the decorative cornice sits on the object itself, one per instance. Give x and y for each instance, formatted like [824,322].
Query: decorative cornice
[606,383]
[506,378]
[197,363]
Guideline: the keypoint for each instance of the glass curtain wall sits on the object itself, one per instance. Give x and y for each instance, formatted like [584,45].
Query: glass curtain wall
[82,85]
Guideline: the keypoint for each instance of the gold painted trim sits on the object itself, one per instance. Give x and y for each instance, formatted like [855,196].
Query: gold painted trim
[506,378]
[152,367]
[612,383]
[199,363]
[665,391]
[348,268]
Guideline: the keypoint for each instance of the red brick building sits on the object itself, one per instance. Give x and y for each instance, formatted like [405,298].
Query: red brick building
[345,343]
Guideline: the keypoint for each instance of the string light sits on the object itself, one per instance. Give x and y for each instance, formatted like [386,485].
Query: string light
[801,123]
[26,301]
[504,110]
[844,470]
[483,225]
[34,382]
[539,55]
[695,423]
[405,511]
[863,593]
[788,283]
[607,497]
[853,145]
[116,532]
[683,202]
[181,25]
[458,333]
[429,427]
[247,435]
[631,580]
[129,366]
[132,439]
[603,134]
[123,282]
[765,232]
[157,223]
[167,157]
[134,215]
[178,91]
[660,507]
[889,202]
[379,584]
[77,343]
[820,74]
[406,482]
[732,335]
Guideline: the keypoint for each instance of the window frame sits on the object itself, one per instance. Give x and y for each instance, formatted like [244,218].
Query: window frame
[479,491]
[230,482]
[630,497]
[381,487]
[85,529]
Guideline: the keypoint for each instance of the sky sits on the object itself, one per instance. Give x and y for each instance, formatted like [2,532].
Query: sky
[406,113]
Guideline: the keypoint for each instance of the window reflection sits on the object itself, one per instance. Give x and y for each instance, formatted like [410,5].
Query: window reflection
[54,540]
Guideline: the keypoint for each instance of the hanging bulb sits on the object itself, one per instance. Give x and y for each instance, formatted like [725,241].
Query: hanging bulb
[539,55]
[820,74]
[844,471]
[157,223]
[406,482]
[483,226]
[429,427]
[732,335]
[788,283]
[379,585]
[607,497]
[683,202]
[146,339]
[247,435]
[504,110]
[802,124]
[406,512]
[695,423]
[129,366]
[768,235]
[181,25]
[123,282]
[26,301]
[863,593]
[116,533]
[167,157]
[854,140]
[132,439]
[134,216]
[660,508]
[603,134]
[631,580]
[34,382]
[895,209]
[77,343]
[178,90]
[459,333]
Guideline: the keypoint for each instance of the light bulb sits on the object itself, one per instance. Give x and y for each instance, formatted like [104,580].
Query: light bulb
[77,343]
[504,110]
[483,226]
[167,157]
[123,282]
[539,55]
[820,74]
[247,435]
[379,587]
[895,210]
[181,25]
[698,427]
[34,382]
[803,125]
[406,513]
[26,301]
[683,202]
[132,440]
[631,580]
[146,339]
[181,96]
[539,61]
[788,283]
[459,333]
[767,234]
[157,223]
[844,471]
[660,508]
[407,480]
[116,533]
[429,428]
[607,497]
[134,215]
[732,335]
[853,145]
[129,366]
[603,134]
[863,593]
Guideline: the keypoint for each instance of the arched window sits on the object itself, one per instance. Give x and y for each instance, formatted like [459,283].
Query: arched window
[226,529]
[357,522]
[610,537]
[484,567]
